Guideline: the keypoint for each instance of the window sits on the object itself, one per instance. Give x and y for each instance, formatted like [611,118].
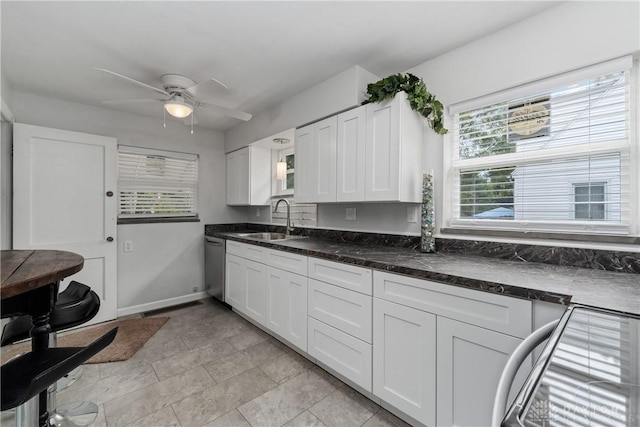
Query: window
[285,186]
[156,184]
[554,155]
[589,201]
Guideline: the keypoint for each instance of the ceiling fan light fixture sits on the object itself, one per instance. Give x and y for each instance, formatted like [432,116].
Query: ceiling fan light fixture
[177,107]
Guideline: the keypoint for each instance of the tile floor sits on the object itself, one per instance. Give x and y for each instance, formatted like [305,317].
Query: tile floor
[209,367]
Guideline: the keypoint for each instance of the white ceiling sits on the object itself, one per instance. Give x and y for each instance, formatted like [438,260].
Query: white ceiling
[263,51]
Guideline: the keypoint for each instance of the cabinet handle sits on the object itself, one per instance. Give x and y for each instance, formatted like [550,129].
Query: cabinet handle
[109,193]
[109,239]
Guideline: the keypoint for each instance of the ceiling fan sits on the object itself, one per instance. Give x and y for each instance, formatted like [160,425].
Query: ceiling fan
[180,96]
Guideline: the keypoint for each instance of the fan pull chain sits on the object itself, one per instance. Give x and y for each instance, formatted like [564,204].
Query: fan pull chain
[164,117]
[192,123]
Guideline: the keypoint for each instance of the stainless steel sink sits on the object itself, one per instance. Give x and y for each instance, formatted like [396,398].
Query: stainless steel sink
[269,236]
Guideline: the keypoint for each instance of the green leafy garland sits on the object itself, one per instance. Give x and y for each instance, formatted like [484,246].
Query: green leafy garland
[420,99]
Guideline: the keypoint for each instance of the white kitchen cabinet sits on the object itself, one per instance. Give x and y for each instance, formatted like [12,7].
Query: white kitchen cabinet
[470,362]
[234,281]
[341,352]
[340,274]
[404,359]
[249,176]
[287,306]
[315,151]
[350,155]
[255,282]
[394,139]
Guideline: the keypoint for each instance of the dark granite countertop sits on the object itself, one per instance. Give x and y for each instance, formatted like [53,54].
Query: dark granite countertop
[529,280]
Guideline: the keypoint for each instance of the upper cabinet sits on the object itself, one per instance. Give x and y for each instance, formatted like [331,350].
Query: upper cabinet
[249,176]
[315,178]
[371,153]
[393,154]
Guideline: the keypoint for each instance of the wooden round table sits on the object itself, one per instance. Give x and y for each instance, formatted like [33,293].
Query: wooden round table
[30,281]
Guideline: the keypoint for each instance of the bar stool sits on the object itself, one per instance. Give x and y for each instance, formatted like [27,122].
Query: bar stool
[76,305]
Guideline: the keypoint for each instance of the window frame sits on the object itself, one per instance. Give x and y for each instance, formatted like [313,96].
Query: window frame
[451,167]
[281,184]
[131,218]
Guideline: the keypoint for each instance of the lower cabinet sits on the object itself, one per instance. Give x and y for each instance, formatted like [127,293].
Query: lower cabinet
[234,279]
[470,363]
[340,351]
[404,359]
[287,306]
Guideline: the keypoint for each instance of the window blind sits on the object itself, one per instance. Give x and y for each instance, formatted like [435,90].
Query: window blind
[153,183]
[525,163]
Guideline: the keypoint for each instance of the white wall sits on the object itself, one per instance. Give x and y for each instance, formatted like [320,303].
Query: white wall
[338,93]
[167,261]
[6,190]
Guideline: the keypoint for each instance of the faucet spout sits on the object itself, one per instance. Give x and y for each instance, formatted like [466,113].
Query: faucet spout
[289,228]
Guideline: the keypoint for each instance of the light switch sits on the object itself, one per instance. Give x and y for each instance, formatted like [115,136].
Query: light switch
[128,246]
[351,214]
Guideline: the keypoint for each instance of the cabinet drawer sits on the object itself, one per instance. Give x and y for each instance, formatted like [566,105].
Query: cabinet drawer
[345,275]
[244,250]
[287,261]
[499,313]
[341,352]
[341,308]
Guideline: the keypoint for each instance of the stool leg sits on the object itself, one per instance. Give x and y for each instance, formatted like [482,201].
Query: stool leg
[27,413]
[83,413]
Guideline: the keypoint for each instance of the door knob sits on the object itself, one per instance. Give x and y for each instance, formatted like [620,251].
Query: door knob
[109,193]
[109,239]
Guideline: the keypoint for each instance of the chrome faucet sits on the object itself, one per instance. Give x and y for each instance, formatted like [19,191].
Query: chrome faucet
[289,227]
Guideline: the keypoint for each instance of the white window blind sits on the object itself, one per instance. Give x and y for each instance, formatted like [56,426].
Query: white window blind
[525,162]
[153,183]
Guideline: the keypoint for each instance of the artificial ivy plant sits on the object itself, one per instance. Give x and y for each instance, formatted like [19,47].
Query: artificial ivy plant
[420,99]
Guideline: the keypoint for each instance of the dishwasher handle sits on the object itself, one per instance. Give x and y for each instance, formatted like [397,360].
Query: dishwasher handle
[210,241]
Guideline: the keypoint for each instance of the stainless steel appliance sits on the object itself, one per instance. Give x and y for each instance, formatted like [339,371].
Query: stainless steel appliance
[214,256]
[587,375]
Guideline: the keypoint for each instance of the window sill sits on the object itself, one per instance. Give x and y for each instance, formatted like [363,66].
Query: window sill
[586,238]
[125,221]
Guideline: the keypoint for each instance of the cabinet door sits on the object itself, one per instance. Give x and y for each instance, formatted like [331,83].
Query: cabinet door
[350,158]
[234,282]
[286,306]
[382,169]
[470,362]
[238,177]
[324,156]
[304,165]
[255,284]
[404,359]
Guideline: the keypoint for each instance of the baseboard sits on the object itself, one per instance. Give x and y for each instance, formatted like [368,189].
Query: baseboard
[135,309]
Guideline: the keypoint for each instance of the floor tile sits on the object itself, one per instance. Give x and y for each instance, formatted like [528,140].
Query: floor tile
[384,418]
[161,418]
[305,419]
[185,361]
[344,407]
[285,366]
[229,366]
[286,401]
[143,402]
[260,353]
[231,419]
[248,338]
[203,407]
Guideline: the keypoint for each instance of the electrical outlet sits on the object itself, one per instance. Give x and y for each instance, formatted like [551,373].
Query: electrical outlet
[257,212]
[412,214]
[351,214]
[128,246]
[195,289]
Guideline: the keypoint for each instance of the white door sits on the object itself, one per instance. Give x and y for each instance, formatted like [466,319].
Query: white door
[255,304]
[303,177]
[61,186]
[234,293]
[350,159]
[325,134]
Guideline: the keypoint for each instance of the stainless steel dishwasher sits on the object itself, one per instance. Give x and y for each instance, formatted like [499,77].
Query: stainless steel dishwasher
[214,257]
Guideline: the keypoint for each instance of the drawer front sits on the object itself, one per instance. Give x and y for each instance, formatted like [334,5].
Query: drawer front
[341,352]
[499,313]
[235,248]
[345,275]
[256,253]
[341,308]
[287,261]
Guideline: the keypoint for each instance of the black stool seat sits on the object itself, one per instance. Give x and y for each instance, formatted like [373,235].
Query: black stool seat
[28,375]
[75,307]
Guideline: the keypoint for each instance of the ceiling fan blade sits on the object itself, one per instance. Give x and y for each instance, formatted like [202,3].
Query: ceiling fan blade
[131,101]
[226,111]
[197,90]
[135,82]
